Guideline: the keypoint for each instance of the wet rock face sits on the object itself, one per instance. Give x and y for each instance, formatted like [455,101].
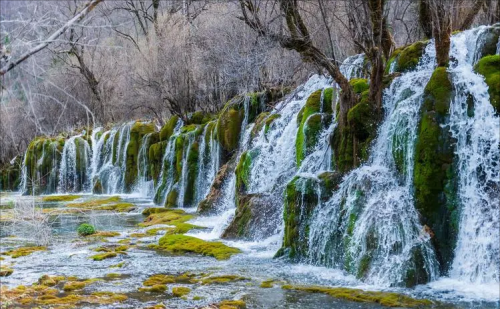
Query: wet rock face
[207,206]
[251,220]
[434,170]
[137,133]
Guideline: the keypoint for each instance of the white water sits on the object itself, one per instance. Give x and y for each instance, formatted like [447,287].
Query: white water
[75,160]
[386,224]
[477,254]
[145,184]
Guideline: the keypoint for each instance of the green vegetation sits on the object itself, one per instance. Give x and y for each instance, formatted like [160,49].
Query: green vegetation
[60,198]
[180,291]
[23,251]
[168,129]
[177,243]
[104,256]
[157,288]
[113,203]
[166,279]
[434,153]
[232,304]
[406,58]
[85,229]
[311,121]
[5,271]
[300,201]
[222,279]
[489,67]
[382,298]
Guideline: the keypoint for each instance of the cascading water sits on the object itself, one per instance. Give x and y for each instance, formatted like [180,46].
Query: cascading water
[370,226]
[477,253]
[144,185]
[109,159]
[208,162]
[73,170]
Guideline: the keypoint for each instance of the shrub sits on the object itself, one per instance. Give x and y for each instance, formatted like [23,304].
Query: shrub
[85,229]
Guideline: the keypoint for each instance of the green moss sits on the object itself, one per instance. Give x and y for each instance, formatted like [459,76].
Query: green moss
[60,198]
[180,291]
[489,67]
[5,271]
[166,279]
[410,56]
[243,172]
[382,298]
[168,129]
[157,288]
[434,153]
[199,117]
[361,119]
[310,124]
[300,201]
[267,284]
[184,244]
[74,285]
[103,256]
[172,198]
[222,279]
[229,124]
[192,174]
[359,85]
[179,155]
[23,251]
[270,121]
[113,203]
[232,304]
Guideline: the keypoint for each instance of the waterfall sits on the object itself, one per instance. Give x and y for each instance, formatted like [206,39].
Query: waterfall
[109,159]
[166,178]
[183,186]
[477,253]
[370,226]
[75,160]
[208,161]
[144,185]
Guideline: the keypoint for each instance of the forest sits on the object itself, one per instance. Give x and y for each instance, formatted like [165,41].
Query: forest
[250,154]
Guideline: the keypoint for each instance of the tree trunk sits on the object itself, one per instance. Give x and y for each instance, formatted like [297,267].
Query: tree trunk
[469,18]
[425,17]
[442,33]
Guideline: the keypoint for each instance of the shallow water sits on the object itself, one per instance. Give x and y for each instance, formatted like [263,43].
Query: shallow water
[69,255]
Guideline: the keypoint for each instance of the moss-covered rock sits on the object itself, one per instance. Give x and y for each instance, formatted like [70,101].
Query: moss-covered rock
[433,172]
[229,124]
[383,298]
[243,170]
[351,143]
[199,117]
[314,117]
[168,129]
[300,201]
[42,160]
[137,133]
[177,243]
[489,67]
[192,174]
[406,58]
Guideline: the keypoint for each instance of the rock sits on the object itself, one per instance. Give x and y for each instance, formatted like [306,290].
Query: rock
[434,173]
[252,217]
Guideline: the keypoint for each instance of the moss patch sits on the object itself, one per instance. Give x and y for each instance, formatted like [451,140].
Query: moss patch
[157,288]
[60,198]
[168,129]
[382,298]
[104,256]
[5,271]
[222,279]
[180,291]
[186,244]
[232,304]
[23,251]
[167,279]
[113,203]
[434,154]
[489,67]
